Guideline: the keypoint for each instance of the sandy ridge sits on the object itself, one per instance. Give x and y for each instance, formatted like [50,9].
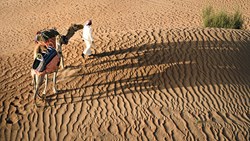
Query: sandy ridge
[158,75]
[150,84]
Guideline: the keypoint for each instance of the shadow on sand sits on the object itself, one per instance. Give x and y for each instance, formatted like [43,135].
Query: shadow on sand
[167,65]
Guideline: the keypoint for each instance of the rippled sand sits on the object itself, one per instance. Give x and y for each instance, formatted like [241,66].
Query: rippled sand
[157,73]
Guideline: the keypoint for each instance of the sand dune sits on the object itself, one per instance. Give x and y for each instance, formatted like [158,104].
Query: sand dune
[154,84]
[154,80]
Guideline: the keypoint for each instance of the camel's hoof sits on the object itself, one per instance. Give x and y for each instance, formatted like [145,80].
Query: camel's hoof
[55,91]
[43,96]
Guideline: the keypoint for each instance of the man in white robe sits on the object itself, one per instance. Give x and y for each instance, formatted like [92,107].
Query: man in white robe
[87,38]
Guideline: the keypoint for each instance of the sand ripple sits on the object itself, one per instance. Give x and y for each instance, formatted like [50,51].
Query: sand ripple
[155,84]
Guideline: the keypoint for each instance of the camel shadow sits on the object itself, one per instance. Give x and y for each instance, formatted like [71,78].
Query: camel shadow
[164,66]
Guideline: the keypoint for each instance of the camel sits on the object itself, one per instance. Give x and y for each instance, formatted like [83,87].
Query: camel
[55,44]
[52,67]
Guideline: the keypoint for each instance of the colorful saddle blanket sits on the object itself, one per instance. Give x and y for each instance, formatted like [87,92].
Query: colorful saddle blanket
[46,62]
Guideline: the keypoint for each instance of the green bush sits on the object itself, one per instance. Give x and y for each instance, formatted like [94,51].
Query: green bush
[222,19]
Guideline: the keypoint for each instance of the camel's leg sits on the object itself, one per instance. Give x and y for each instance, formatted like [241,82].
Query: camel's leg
[45,86]
[38,81]
[61,60]
[34,85]
[59,50]
[33,75]
[54,82]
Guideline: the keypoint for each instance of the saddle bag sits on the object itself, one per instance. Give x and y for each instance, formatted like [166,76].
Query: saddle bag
[43,59]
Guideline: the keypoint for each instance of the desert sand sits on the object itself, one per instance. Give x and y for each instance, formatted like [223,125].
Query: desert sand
[158,74]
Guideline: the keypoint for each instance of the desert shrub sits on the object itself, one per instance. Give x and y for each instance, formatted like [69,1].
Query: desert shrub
[221,19]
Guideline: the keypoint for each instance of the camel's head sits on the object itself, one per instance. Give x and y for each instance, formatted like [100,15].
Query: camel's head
[76,27]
